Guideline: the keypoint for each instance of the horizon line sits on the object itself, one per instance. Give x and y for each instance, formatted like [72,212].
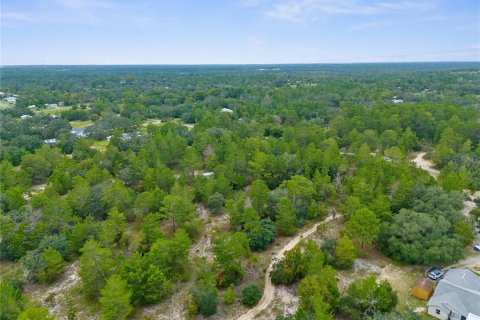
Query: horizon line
[242,64]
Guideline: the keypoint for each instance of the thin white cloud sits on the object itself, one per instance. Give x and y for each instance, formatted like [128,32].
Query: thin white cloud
[87,4]
[308,10]
[85,12]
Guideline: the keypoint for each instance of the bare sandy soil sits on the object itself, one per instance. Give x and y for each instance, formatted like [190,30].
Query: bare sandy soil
[27,195]
[63,296]
[425,164]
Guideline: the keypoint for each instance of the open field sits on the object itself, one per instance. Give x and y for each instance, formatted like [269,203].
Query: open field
[100,145]
[81,124]
[4,105]
[52,111]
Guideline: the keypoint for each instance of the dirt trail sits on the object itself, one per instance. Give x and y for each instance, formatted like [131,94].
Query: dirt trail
[472,262]
[269,288]
[427,165]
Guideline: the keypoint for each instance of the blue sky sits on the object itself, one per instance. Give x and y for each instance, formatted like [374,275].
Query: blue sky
[238,31]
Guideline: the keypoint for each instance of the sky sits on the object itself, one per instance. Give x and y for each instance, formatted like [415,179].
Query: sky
[237,31]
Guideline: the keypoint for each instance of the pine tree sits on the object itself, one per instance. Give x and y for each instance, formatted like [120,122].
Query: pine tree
[115,300]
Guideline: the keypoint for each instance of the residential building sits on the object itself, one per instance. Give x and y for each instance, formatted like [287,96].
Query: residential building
[456,296]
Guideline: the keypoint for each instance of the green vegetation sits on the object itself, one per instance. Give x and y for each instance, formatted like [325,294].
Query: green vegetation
[251,294]
[366,297]
[203,200]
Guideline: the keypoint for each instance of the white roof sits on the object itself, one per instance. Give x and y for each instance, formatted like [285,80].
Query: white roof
[471,316]
[227,110]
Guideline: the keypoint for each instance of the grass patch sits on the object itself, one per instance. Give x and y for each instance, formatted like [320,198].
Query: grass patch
[151,121]
[52,111]
[81,124]
[100,145]
[5,105]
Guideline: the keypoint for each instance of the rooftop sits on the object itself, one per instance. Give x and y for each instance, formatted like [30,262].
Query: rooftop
[460,289]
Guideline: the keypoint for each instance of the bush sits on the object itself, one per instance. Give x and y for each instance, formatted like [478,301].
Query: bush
[346,253]
[44,266]
[259,241]
[229,296]
[115,300]
[291,268]
[463,229]
[33,312]
[54,266]
[205,296]
[366,296]
[215,202]
[251,294]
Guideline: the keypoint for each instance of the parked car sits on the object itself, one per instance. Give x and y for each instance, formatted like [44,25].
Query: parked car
[476,247]
[434,273]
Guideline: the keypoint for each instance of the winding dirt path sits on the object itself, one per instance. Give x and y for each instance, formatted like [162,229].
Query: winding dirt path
[269,288]
[427,165]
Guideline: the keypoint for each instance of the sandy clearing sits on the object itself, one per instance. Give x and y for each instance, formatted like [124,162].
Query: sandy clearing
[269,288]
[472,262]
[425,164]
[57,296]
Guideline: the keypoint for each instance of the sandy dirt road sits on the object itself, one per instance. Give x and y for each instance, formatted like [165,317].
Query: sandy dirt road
[269,288]
[427,165]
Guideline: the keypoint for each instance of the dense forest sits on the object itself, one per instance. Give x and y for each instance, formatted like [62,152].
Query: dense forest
[234,160]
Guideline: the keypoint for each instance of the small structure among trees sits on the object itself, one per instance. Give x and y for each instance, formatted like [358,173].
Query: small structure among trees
[423,288]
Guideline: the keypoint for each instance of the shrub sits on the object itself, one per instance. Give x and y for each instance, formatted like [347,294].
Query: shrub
[205,296]
[229,296]
[215,202]
[366,296]
[251,294]
[260,240]
[346,253]
[291,268]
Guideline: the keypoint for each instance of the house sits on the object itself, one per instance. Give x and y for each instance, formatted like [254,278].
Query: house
[226,110]
[12,100]
[456,296]
[126,137]
[397,100]
[471,316]
[32,106]
[25,116]
[78,132]
[50,141]
[423,288]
